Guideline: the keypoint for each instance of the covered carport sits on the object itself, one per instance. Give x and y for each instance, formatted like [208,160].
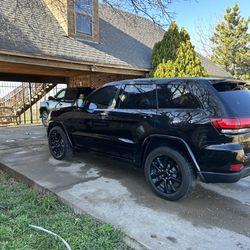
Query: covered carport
[42,74]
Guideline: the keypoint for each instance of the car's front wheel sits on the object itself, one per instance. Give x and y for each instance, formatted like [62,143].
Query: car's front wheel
[169,173]
[59,145]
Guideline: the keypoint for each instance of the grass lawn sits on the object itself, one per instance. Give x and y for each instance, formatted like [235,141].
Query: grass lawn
[21,206]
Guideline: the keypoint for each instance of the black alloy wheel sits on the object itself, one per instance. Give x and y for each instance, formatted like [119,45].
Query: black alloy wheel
[165,174]
[58,144]
[169,173]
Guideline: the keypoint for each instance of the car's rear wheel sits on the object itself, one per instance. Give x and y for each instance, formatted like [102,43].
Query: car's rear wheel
[59,144]
[44,117]
[169,173]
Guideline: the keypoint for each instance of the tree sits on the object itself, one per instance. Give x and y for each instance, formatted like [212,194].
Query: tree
[187,63]
[231,42]
[175,55]
[166,49]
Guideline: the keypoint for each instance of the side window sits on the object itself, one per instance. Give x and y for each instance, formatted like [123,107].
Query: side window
[174,95]
[104,98]
[71,95]
[61,94]
[138,96]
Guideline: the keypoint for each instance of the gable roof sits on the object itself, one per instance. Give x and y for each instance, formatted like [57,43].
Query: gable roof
[125,39]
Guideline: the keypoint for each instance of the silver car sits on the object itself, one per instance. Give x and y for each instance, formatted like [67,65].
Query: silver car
[64,98]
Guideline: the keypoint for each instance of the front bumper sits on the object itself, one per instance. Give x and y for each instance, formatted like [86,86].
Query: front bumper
[215,177]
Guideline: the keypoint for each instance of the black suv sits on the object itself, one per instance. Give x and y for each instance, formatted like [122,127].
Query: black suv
[175,128]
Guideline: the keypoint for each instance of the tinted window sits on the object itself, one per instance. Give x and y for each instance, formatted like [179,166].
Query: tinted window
[227,85]
[238,101]
[176,96]
[71,94]
[235,95]
[138,96]
[104,98]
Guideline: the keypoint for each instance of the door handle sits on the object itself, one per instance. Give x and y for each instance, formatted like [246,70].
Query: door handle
[146,116]
[103,115]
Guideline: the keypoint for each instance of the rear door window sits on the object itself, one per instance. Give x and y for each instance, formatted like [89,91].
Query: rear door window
[176,96]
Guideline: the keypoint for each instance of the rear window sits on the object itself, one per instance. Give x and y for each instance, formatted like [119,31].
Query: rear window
[235,94]
[238,101]
[227,85]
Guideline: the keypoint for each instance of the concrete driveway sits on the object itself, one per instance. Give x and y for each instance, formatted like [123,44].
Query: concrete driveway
[216,216]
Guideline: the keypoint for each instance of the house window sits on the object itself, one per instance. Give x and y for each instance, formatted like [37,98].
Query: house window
[84,16]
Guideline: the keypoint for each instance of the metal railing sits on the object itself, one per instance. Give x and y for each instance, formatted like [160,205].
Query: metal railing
[19,101]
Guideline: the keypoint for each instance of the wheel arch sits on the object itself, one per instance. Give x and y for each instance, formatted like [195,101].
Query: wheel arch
[61,125]
[43,109]
[154,141]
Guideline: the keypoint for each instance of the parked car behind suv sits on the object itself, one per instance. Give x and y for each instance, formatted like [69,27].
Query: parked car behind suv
[64,98]
[177,129]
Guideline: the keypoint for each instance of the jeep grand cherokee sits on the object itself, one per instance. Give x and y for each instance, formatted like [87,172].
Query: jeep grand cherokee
[177,129]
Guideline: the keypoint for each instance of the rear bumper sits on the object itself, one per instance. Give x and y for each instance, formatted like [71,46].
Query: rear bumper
[215,177]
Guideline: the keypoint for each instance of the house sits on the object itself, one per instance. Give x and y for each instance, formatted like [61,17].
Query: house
[77,42]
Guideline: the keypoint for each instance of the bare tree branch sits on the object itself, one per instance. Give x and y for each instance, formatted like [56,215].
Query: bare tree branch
[156,10]
[202,40]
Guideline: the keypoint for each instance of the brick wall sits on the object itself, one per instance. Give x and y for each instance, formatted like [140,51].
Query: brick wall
[95,80]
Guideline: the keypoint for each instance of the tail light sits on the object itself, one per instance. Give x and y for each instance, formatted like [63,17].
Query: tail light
[231,123]
[236,167]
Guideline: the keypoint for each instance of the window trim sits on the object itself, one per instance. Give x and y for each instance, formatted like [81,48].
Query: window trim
[94,36]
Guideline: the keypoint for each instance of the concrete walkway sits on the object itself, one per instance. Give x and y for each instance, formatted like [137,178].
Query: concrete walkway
[216,216]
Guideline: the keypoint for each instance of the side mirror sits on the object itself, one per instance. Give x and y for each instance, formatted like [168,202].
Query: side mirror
[50,98]
[92,106]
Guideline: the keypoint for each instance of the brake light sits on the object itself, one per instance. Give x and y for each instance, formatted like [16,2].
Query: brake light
[230,123]
[236,167]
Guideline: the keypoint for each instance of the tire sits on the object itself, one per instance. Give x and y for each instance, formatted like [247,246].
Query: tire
[44,117]
[169,174]
[59,145]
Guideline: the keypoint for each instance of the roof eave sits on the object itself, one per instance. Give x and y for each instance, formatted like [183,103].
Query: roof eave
[62,63]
